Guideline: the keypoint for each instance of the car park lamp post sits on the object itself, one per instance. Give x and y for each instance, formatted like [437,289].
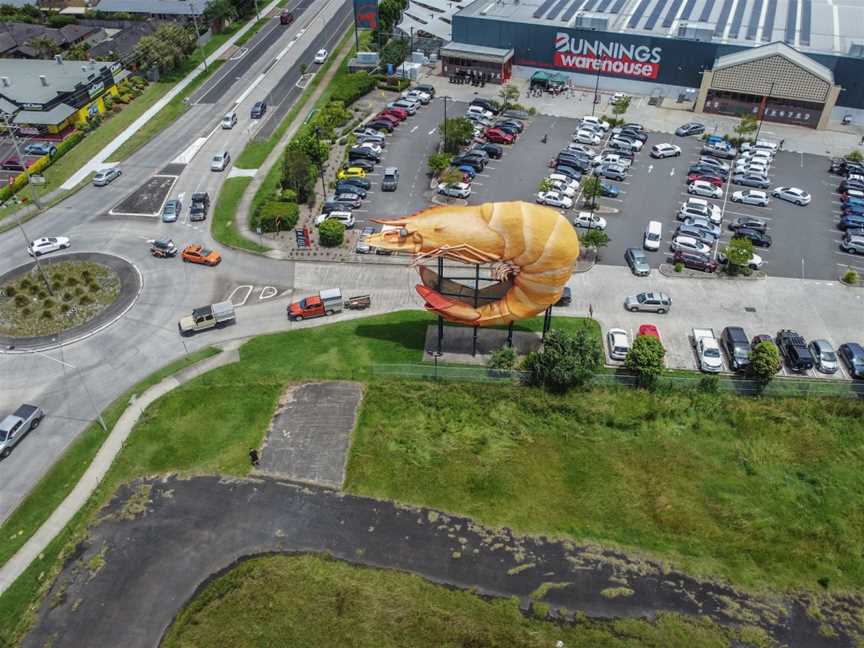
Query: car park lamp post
[83,384]
[762,107]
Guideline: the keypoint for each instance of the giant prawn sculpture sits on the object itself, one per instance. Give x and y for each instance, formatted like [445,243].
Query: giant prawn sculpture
[531,250]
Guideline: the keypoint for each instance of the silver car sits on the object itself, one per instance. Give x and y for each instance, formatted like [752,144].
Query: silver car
[104,176]
[648,302]
[824,356]
[638,262]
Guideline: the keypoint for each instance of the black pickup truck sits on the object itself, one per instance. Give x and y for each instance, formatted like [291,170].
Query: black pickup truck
[794,350]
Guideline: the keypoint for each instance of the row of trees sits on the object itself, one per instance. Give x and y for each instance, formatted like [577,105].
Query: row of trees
[220,13]
[166,48]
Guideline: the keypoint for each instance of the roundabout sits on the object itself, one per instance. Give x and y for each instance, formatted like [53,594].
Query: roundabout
[66,298]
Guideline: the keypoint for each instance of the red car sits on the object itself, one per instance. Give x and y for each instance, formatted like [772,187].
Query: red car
[286,17]
[401,113]
[497,136]
[393,119]
[714,180]
[649,329]
[12,164]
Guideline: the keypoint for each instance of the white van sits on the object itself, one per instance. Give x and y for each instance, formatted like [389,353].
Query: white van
[346,218]
[229,121]
[653,236]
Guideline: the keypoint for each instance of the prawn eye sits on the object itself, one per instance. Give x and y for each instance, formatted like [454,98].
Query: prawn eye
[403,232]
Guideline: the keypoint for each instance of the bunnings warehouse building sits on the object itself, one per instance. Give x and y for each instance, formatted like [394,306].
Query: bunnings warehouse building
[803,58]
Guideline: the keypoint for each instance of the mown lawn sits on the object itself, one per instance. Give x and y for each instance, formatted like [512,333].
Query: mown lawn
[225,215]
[309,602]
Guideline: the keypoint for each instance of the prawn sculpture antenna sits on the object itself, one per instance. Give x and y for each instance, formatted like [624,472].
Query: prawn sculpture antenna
[531,251]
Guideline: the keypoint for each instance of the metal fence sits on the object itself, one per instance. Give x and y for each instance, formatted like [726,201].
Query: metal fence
[780,386]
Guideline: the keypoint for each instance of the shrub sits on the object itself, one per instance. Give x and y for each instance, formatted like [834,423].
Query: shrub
[65,308]
[331,233]
[645,357]
[26,312]
[679,267]
[288,195]
[21,301]
[709,384]
[764,361]
[67,296]
[856,156]
[275,216]
[84,300]
[49,303]
[352,87]
[503,358]
[10,291]
[47,314]
[851,277]
[566,360]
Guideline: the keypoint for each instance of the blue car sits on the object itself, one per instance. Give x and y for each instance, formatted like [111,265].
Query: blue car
[608,190]
[714,139]
[851,222]
[853,201]
[853,209]
[467,170]
[568,171]
[40,148]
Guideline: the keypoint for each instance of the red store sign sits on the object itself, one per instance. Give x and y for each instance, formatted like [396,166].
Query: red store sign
[578,54]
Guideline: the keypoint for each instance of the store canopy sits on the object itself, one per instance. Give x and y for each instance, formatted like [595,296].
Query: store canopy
[47,117]
[542,77]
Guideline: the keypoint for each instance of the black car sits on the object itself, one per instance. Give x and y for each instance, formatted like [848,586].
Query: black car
[758,238]
[633,134]
[633,126]
[736,344]
[349,198]
[343,186]
[852,355]
[381,125]
[842,166]
[851,183]
[690,128]
[474,161]
[259,109]
[748,222]
[494,151]
[486,104]
[571,160]
[363,183]
[362,153]
[568,171]
[513,123]
[200,205]
[709,169]
[332,205]
[367,165]
[794,350]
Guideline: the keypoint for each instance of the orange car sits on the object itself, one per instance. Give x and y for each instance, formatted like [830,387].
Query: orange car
[200,254]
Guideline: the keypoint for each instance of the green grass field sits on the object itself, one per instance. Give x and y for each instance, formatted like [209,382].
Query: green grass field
[225,215]
[309,602]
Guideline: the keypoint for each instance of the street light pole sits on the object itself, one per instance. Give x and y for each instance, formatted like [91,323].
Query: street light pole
[195,22]
[17,146]
[257,13]
[596,87]
[445,97]
[83,383]
[319,163]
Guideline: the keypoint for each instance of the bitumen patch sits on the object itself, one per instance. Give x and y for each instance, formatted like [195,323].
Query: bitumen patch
[311,431]
[161,540]
[147,199]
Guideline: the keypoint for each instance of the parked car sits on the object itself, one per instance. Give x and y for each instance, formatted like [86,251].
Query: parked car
[608,190]
[621,142]
[611,171]
[258,110]
[408,104]
[106,176]
[708,170]
[381,124]
[851,221]
[637,260]
[286,17]
[195,253]
[455,190]
[653,235]
[695,232]
[568,171]
[172,210]
[695,261]
[351,172]
[690,244]
[494,151]
[710,178]
[589,221]
[702,188]
[320,56]
[348,198]
[361,153]
[794,350]
[390,181]
[344,217]
[40,148]
[650,330]
[361,163]
[751,197]
[823,356]
[757,237]
[595,121]
[220,161]
[652,302]
[852,355]
[618,343]
[748,222]
[701,208]
[792,194]
[626,133]
[362,247]
[736,344]
[852,243]
[751,180]
[554,199]
[690,128]
[357,181]
[721,150]
[497,136]
[712,161]
[584,136]
[754,264]
[12,164]
[47,244]
[17,425]
[199,206]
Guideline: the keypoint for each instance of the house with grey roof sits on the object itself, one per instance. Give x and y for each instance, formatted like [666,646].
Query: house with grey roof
[164,9]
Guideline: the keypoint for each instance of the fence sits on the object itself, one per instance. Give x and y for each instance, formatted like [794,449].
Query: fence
[679,381]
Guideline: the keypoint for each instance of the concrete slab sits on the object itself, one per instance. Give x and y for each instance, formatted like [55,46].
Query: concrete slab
[311,431]
[458,343]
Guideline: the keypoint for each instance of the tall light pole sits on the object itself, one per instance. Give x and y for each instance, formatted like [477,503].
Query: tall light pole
[257,13]
[80,380]
[762,109]
[596,87]
[195,22]
[445,98]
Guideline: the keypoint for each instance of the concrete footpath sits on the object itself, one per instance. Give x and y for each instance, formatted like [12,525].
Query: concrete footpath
[98,160]
[98,468]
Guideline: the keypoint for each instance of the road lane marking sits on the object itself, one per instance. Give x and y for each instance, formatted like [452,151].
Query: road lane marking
[248,288]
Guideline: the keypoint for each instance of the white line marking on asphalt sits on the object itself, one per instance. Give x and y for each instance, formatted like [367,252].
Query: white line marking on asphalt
[672,171]
[268,292]
[432,132]
[248,289]
[414,129]
[650,168]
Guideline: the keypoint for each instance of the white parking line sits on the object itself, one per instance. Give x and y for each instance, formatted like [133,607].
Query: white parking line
[414,129]
[247,288]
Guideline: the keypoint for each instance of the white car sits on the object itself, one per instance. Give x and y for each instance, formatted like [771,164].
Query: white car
[479,111]
[589,220]
[455,190]
[611,158]
[581,148]
[596,121]
[618,342]
[626,144]
[703,188]
[617,98]
[105,176]
[583,136]
[563,179]
[564,189]
[690,244]
[372,146]
[220,161]
[554,199]
[752,168]
[665,150]
[704,208]
[47,244]
[320,56]
[792,194]
[653,236]
[417,95]
[346,218]
[755,260]
[751,197]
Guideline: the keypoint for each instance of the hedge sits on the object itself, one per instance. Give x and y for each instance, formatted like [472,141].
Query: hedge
[352,87]
[275,216]
[331,233]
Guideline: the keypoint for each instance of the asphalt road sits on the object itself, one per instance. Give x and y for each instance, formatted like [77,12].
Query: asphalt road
[73,383]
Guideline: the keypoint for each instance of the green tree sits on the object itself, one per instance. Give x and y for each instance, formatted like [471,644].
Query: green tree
[503,358]
[78,52]
[389,12]
[437,163]
[566,360]
[219,13]
[645,357]
[509,94]
[747,126]
[855,156]
[620,107]
[458,131]
[331,233]
[594,238]
[545,185]
[591,188]
[44,47]
[298,173]
[394,52]
[451,175]
[738,253]
[764,361]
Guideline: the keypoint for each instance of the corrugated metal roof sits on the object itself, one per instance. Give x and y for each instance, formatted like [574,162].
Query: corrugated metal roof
[154,7]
